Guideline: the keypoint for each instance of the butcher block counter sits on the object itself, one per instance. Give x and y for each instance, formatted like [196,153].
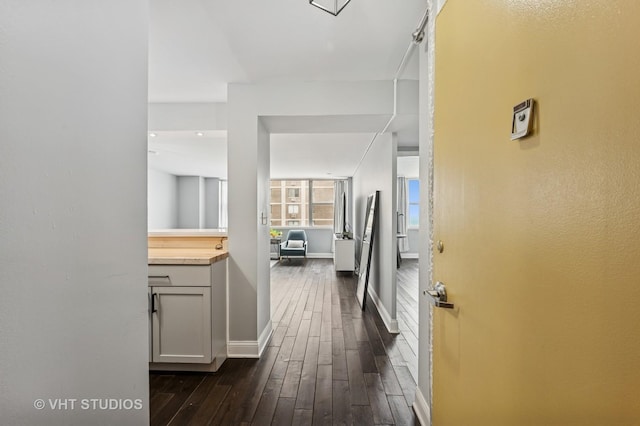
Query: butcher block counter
[187,247]
[185,256]
[187,300]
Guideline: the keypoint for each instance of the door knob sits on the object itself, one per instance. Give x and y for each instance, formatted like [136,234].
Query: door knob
[439,296]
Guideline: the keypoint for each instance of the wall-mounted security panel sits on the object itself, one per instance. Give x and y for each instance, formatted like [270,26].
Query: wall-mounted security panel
[522,123]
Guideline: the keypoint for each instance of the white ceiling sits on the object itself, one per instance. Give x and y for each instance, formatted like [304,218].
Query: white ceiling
[341,154]
[184,153]
[197,47]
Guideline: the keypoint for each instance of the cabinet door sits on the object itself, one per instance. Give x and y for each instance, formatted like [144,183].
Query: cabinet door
[344,255]
[182,324]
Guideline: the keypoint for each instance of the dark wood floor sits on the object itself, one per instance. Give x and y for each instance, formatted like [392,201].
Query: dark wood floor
[327,363]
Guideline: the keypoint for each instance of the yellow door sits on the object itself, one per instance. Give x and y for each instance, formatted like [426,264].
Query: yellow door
[541,236]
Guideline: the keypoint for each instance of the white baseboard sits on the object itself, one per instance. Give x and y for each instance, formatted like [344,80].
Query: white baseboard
[264,338]
[421,408]
[250,348]
[243,349]
[410,255]
[391,324]
[320,255]
[313,256]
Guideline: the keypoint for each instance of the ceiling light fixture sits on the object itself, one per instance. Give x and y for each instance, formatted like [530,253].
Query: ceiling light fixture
[199,134]
[152,135]
[331,6]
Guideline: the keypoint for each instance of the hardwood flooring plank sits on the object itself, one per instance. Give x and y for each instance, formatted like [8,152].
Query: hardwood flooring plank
[180,389]
[283,415]
[269,400]
[156,406]
[341,403]
[245,393]
[325,331]
[323,402]
[357,387]
[367,359]
[316,324]
[325,355]
[302,417]
[209,407]
[317,302]
[407,383]
[307,388]
[374,336]
[311,297]
[278,336]
[350,340]
[410,358]
[360,330]
[233,369]
[403,414]
[336,316]
[300,345]
[291,380]
[196,399]
[282,361]
[339,356]
[362,415]
[388,376]
[378,399]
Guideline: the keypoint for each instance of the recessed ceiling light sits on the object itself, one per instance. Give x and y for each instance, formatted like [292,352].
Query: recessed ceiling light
[199,134]
[153,135]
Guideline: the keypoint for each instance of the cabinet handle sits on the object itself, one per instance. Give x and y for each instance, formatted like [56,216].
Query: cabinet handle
[153,303]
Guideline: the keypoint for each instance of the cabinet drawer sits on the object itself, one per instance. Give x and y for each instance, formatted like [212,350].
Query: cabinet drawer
[180,275]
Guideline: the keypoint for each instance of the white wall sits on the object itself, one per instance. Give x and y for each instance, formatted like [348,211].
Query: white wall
[378,172]
[211,202]
[413,237]
[264,238]
[162,200]
[182,201]
[199,116]
[190,202]
[320,240]
[73,221]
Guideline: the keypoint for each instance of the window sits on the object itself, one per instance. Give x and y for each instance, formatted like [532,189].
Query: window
[414,203]
[322,202]
[302,202]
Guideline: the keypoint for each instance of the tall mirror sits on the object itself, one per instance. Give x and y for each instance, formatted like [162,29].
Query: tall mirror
[366,248]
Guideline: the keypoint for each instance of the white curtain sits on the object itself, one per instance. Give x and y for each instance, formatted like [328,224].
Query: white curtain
[339,188]
[403,210]
[223,209]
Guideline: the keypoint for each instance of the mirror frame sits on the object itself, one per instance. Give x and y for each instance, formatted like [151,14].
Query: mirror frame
[366,247]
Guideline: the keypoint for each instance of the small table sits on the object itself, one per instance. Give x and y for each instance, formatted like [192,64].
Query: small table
[275,242]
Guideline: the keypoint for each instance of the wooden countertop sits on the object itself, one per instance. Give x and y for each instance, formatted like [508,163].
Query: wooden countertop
[186,256]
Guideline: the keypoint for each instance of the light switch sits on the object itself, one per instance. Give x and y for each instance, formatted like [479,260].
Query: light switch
[522,122]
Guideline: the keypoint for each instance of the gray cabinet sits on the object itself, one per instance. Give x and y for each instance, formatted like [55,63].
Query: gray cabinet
[181,324]
[188,316]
